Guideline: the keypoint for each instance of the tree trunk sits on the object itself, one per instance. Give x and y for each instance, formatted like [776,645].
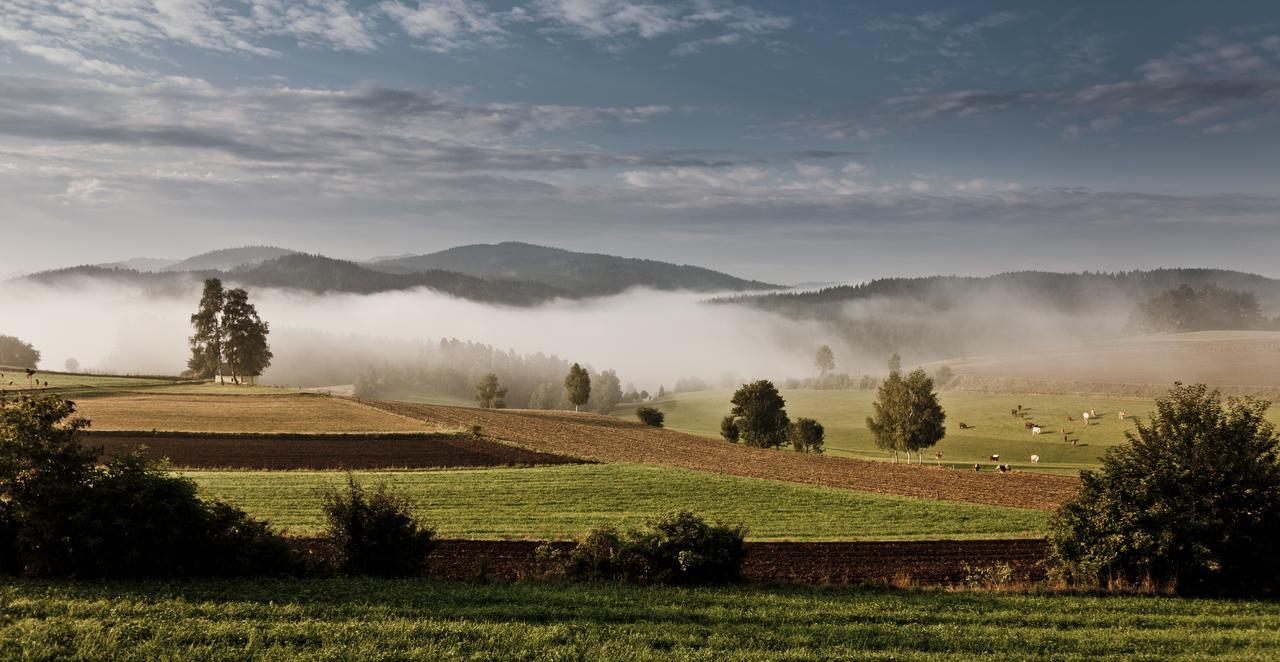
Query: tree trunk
[895,456]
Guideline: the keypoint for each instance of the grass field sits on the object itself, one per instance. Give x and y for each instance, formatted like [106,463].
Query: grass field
[563,501]
[260,413]
[64,381]
[994,429]
[359,619]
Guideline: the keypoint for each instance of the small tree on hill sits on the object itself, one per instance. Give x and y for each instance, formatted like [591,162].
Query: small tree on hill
[895,362]
[729,429]
[206,342]
[651,416]
[577,386]
[824,360]
[1191,502]
[606,393]
[18,354]
[71,365]
[489,394]
[907,417]
[760,415]
[807,436]
[245,349]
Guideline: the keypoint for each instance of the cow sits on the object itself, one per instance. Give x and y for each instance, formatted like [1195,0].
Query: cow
[1085,416]
[1035,430]
[964,426]
[995,458]
[1035,458]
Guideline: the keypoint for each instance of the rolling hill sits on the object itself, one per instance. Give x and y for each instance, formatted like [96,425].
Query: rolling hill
[585,274]
[229,258]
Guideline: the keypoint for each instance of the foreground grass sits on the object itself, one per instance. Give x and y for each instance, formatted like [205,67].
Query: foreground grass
[419,619]
[561,502]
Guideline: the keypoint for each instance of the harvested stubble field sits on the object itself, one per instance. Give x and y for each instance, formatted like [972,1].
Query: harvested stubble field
[349,451]
[562,502]
[375,619]
[297,413]
[609,439]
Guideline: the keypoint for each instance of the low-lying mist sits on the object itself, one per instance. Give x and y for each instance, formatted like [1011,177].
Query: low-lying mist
[650,338]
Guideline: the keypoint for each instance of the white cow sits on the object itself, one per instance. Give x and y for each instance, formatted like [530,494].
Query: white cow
[1035,429]
[1035,458]
[1085,416]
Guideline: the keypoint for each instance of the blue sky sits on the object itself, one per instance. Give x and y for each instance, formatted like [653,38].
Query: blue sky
[781,140]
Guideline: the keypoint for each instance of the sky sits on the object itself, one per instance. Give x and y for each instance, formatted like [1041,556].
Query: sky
[784,141]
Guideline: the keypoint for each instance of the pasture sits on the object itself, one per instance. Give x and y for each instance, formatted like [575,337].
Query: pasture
[560,502]
[294,413]
[15,379]
[993,429]
[371,619]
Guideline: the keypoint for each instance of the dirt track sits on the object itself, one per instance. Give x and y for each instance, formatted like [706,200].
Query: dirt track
[608,439]
[921,562]
[212,451]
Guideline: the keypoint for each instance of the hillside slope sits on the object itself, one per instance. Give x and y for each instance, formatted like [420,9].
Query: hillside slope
[229,258]
[588,274]
[608,439]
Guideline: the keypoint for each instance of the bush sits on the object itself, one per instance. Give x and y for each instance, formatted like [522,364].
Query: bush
[651,416]
[373,533]
[61,515]
[677,548]
[807,436]
[1191,502]
[729,429]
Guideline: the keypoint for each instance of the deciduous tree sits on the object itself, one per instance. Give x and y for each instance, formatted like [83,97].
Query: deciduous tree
[245,349]
[18,354]
[824,360]
[907,416]
[206,342]
[760,415]
[489,394]
[577,386]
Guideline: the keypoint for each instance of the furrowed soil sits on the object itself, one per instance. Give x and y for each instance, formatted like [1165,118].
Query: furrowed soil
[354,451]
[297,413]
[607,439]
[925,562]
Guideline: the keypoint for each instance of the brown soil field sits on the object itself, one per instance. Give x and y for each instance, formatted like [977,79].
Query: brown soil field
[926,562]
[229,413]
[608,439]
[404,451]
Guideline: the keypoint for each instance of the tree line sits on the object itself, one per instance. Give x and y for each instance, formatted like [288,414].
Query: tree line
[1185,308]
[229,336]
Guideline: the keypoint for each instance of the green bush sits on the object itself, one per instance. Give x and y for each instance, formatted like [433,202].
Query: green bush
[729,429]
[651,416]
[373,532]
[807,436]
[1190,503]
[677,548]
[61,515]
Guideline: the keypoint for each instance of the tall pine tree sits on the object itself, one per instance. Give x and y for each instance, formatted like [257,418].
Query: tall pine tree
[206,342]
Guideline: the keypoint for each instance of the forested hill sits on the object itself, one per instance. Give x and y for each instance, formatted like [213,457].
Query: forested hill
[314,273]
[1061,291]
[229,258]
[584,274]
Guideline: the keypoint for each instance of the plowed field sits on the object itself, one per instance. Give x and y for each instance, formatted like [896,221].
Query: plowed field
[209,451]
[608,439]
[930,562]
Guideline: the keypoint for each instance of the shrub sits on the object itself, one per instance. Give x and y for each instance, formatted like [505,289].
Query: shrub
[1191,502]
[373,532]
[651,416]
[807,436]
[62,515]
[729,429]
[677,548]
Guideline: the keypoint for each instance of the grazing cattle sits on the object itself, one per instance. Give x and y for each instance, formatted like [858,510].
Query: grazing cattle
[1074,442]
[1064,435]
[937,456]
[1035,430]
[1071,419]
[1002,468]
[964,426]
[1093,414]
[1035,458]
[977,467]
[995,458]
[1085,416]
[1122,416]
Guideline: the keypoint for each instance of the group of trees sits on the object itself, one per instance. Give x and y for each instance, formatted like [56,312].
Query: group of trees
[229,336]
[1187,309]
[17,354]
[462,370]
[759,418]
[578,391]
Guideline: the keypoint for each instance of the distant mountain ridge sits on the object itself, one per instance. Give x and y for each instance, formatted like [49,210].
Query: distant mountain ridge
[1064,291]
[583,274]
[229,258]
